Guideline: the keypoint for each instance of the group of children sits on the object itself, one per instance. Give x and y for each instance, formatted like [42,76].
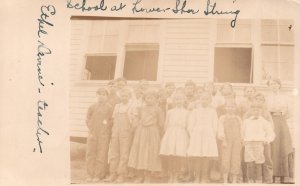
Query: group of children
[181,133]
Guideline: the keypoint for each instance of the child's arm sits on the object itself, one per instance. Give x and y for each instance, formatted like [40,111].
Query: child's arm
[270,135]
[221,133]
[191,120]
[160,117]
[89,115]
[215,121]
[167,120]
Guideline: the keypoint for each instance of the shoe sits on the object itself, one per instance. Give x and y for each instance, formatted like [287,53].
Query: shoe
[111,178]
[96,180]
[120,179]
[139,180]
[89,179]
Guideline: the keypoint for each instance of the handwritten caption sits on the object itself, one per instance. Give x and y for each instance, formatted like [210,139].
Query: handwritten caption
[180,7]
[44,23]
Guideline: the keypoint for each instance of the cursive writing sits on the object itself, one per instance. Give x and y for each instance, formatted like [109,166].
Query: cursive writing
[46,11]
[42,51]
[41,105]
[83,7]
[181,8]
[136,9]
[210,9]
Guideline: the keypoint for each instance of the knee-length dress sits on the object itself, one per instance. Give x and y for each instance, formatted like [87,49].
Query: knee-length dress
[144,153]
[175,139]
[281,147]
[203,126]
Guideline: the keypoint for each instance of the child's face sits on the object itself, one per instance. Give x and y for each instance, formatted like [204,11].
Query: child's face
[230,109]
[189,90]
[209,87]
[102,97]
[124,97]
[121,84]
[150,100]
[138,94]
[256,110]
[226,89]
[249,92]
[274,85]
[169,90]
[259,100]
[205,99]
[179,100]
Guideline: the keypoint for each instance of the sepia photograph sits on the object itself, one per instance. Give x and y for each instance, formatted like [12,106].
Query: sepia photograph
[167,100]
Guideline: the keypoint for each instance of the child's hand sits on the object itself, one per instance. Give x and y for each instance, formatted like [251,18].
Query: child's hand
[224,143]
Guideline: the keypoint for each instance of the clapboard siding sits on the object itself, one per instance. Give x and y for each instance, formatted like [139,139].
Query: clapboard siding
[186,50]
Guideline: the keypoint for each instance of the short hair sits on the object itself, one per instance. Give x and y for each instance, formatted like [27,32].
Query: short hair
[258,94]
[121,79]
[151,92]
[169,84]
[101,90]
[277,80]
[190,83]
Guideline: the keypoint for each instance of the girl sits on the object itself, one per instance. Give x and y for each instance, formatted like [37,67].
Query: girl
[99,124]
[144,154]
[282,145]
[175,140]
[121,138]
[217,99]
[230,134]
[203,125]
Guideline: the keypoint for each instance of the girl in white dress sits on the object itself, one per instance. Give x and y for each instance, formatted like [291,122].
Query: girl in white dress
[202,127]
[174,143]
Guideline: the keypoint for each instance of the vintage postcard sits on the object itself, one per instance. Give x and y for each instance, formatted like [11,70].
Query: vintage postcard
[97,92]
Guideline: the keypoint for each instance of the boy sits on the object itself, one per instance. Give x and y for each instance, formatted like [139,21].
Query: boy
[99,125]
[256,132]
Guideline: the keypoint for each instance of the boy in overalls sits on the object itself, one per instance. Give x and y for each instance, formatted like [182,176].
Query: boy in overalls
[99,124]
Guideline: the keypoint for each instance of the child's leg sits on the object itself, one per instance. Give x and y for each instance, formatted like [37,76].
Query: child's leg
[226,161]
[258,170]
[140,176]
[197,169]
[102,156]
[235,160]
[244,166]
[268,165]
[251,171]
[205,172]
[125,144]
[91,156]
[114,158]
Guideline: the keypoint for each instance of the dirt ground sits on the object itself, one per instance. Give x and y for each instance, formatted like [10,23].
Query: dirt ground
[79,174]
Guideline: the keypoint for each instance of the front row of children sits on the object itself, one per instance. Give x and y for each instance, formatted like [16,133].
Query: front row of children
[129,138]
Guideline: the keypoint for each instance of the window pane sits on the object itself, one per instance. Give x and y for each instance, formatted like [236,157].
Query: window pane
[141,64]
[286,71]
[101,67]
[233,65]
[269,31]
[225,33]
[286,54]
[269,53]
[243,33]
[286,31]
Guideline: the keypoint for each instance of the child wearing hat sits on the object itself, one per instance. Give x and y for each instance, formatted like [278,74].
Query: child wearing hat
[99,125]
[144,153]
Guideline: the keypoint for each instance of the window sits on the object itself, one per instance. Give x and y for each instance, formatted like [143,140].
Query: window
[100,67]
[233,65]
[233,52]
[141,62]
[277,49]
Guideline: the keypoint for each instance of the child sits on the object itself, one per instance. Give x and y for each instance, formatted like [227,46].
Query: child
[203,125]
[217,98]
[144,153]
[99,125]
[175,140]
[256,131]
[169,88]
[121,138]
[230,134]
